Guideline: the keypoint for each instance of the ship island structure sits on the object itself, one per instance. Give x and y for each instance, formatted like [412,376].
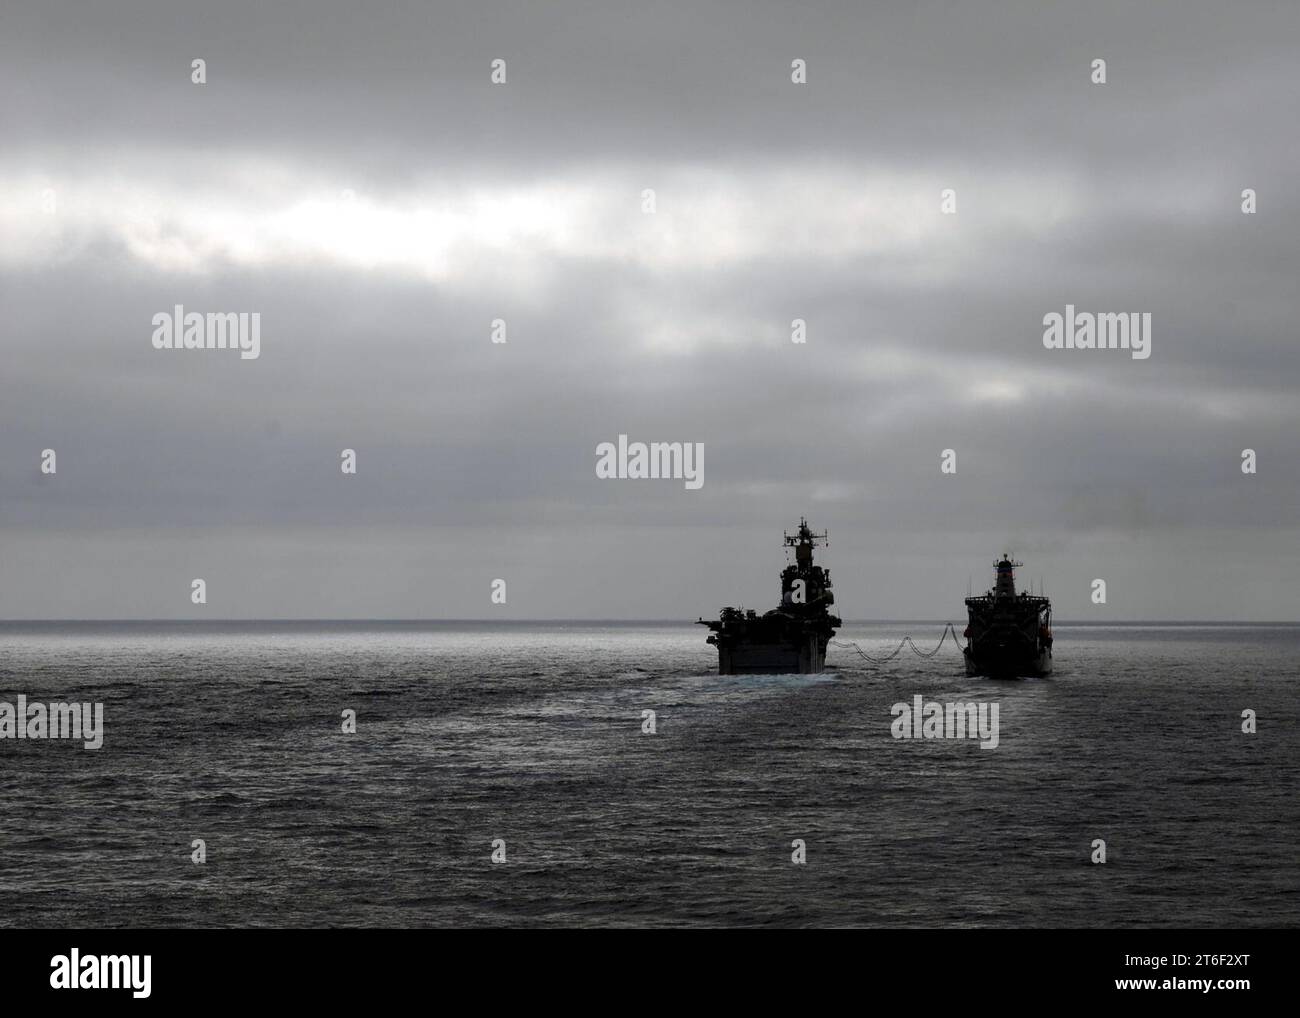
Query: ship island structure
[790,638]
[1009,634]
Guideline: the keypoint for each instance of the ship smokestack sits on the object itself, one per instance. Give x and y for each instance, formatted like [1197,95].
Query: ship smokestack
[1006,582]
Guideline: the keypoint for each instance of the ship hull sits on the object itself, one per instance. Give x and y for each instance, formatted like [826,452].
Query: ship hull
[802,656]
[1001,662]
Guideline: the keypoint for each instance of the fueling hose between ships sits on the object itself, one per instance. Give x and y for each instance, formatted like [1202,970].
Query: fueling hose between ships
[906,641]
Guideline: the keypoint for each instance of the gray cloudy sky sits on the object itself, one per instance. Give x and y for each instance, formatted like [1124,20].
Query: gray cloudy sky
[350,172]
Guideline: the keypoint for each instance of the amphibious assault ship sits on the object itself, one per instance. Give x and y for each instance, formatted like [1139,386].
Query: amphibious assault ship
[1010,634]
[791,637]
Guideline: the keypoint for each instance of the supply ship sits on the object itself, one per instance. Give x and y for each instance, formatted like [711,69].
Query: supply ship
[1009,635]
[790,638]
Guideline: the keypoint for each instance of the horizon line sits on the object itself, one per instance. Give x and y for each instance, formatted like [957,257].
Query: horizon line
[635,621]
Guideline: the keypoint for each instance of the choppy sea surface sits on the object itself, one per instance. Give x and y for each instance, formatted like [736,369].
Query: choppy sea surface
[532,733]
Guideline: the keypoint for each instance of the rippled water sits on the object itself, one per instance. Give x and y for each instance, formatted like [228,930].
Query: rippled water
[532,734]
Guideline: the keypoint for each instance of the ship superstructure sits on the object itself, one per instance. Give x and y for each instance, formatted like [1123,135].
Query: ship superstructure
[1009,634]
[790,638]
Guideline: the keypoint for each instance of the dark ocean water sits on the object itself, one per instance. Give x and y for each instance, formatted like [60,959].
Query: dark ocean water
[532,734]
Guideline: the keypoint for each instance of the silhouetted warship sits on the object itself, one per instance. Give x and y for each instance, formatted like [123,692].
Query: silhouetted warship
[1010,634]
[791,637]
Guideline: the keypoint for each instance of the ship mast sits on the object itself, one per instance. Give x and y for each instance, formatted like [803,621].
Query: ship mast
[803,541]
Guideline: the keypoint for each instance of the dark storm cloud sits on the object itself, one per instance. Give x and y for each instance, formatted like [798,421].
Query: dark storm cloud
[476,460]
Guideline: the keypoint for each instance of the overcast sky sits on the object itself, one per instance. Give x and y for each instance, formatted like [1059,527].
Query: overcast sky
[350,172]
